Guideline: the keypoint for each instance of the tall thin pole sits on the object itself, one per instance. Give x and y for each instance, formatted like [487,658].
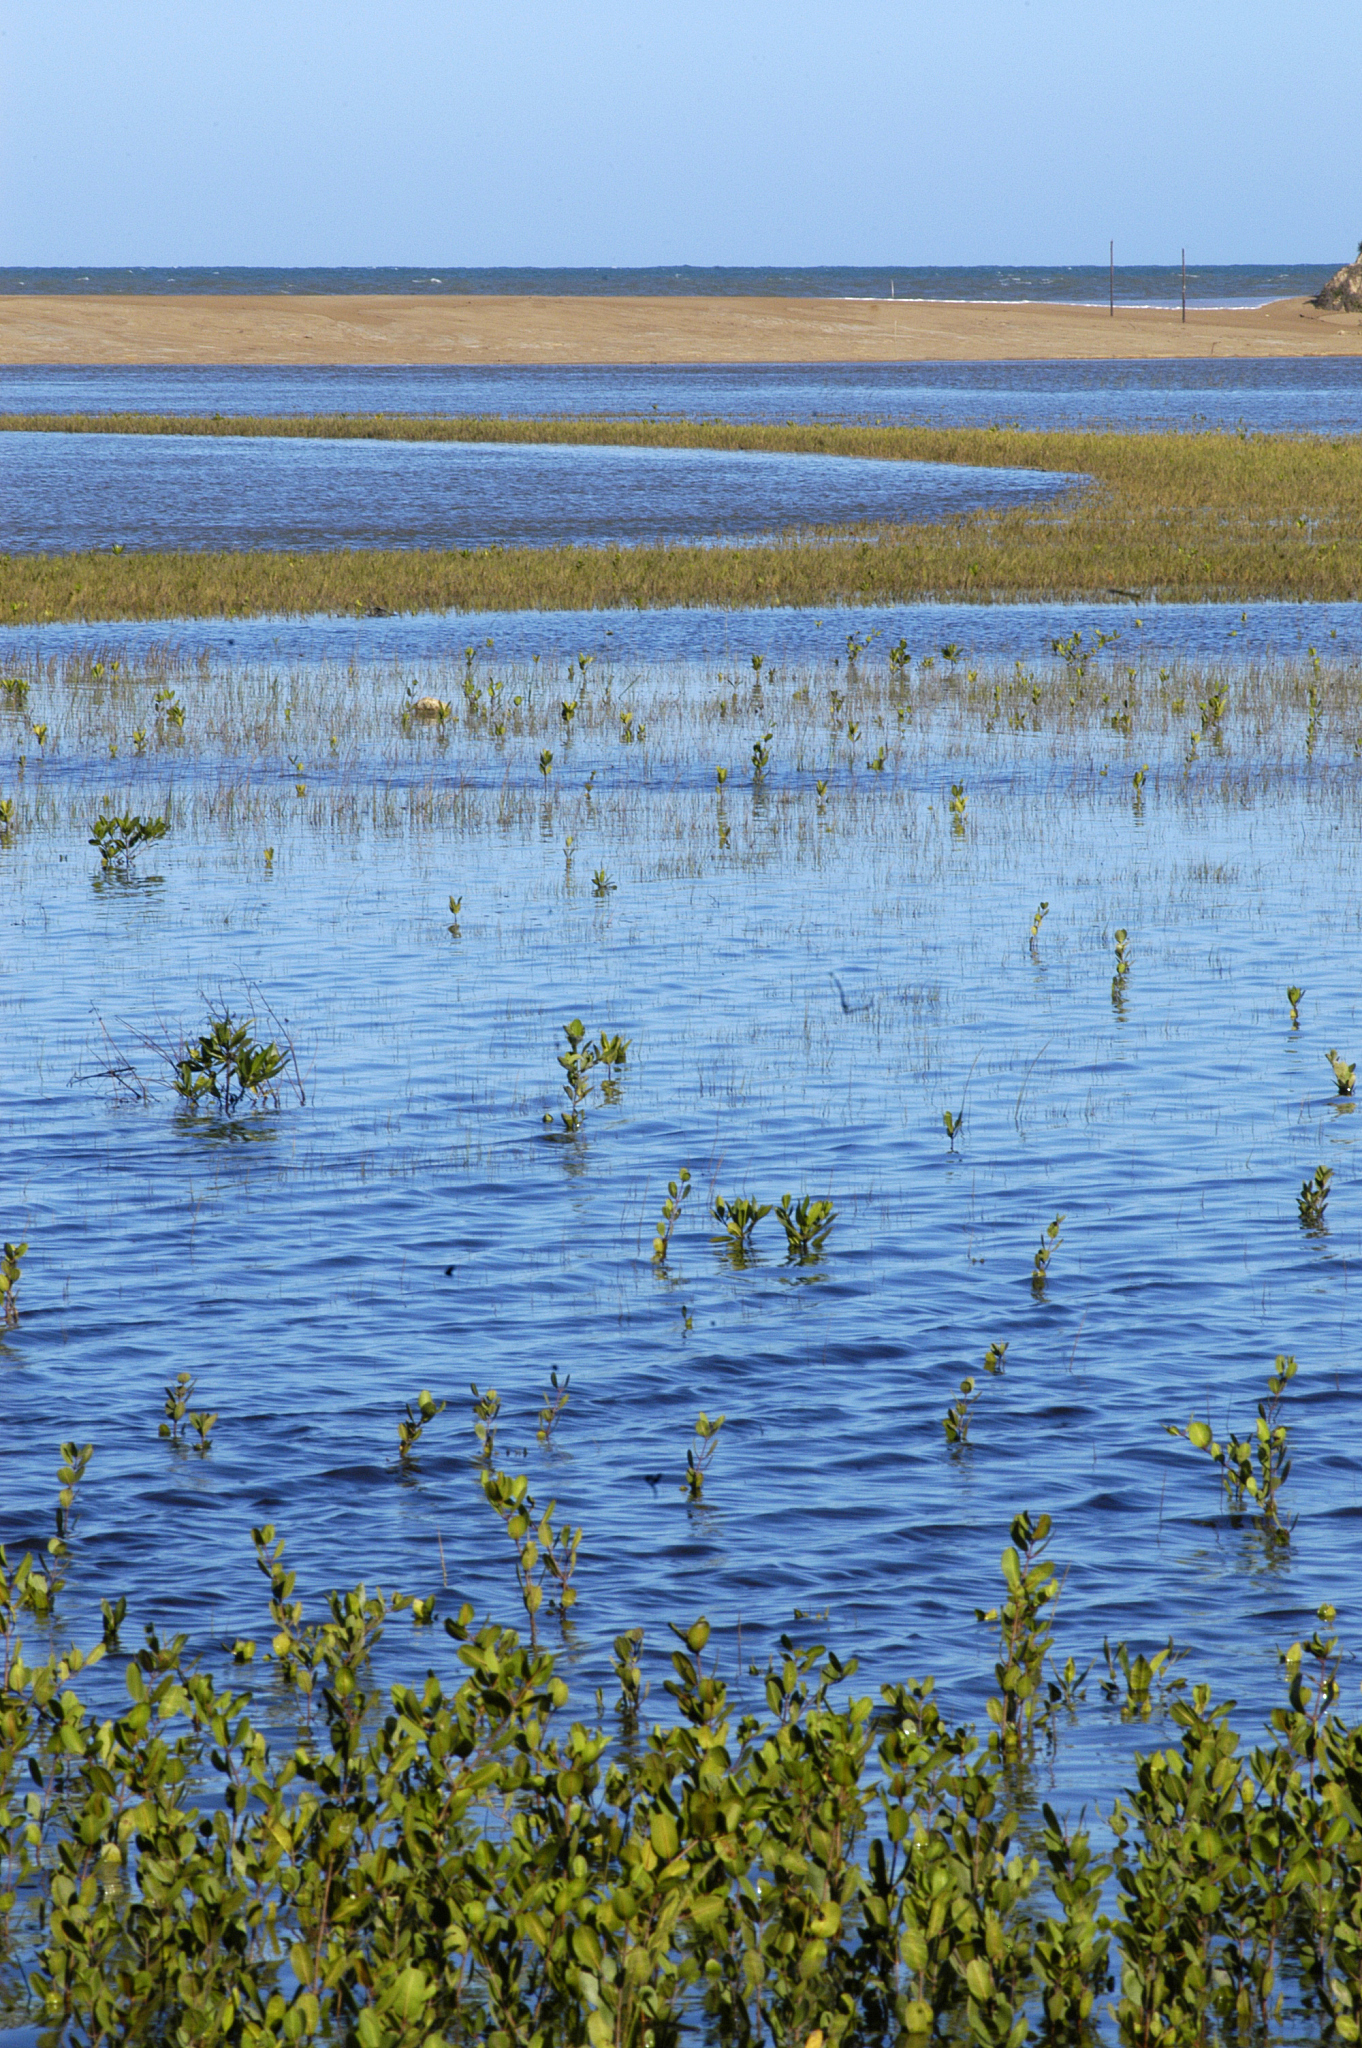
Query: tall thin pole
[1113,280]
[1184,287]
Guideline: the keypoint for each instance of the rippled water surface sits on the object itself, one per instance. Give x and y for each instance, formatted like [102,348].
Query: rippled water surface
[1314,396]
[807,979]
[72,491]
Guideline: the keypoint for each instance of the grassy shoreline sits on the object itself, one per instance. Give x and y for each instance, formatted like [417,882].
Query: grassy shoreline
[1172,517]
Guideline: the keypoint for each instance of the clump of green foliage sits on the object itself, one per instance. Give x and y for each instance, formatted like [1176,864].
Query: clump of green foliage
[119,839]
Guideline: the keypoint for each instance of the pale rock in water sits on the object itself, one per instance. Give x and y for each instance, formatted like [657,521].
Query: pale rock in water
[429,707]
[1343,293]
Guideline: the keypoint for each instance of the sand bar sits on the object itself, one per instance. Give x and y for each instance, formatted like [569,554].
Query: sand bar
[132,329]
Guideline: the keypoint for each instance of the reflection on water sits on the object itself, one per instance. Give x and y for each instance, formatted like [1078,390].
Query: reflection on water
[807,978]
[70,491]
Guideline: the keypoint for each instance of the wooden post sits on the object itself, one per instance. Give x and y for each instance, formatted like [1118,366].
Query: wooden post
[1184,287]
[1113,280]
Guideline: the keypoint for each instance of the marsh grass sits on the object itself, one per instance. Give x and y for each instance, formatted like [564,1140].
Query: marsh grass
[1184,517]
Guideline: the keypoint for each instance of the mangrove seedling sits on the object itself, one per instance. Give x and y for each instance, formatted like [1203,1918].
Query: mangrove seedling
[614,1052]
[551,1407]
[957,806]
[179,1394]
[545,762]
[677,1192]
[701,1455]
[6,819]
[11,1271]
[486,1409]
[414,1421]
[720,776]
[1344,1075]
[203,1424]
[955,1123]
[1036,923]
[739,1218]
[956,1420]
[229,1065]
[601,883]
[877,761]
[1122,938]
[1295,996]
[994,1356]
[806,1226]
[1313,1198]
[1253,1469]
[1137,783]
[761,756]
[1050,1242]
[629,1672]
[118,840]
[1024,1620]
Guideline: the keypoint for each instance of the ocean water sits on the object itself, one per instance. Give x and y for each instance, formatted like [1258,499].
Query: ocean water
[1293,396]
[60,492]
[1213,284]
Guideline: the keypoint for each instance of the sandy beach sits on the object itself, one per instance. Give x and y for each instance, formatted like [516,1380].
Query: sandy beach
[357,329]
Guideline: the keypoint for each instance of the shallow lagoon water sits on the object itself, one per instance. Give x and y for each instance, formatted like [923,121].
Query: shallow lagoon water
[705,635]
[1322,395]
[803,996]
[60,492]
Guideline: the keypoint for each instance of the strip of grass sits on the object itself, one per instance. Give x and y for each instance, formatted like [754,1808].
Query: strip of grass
[1178,517]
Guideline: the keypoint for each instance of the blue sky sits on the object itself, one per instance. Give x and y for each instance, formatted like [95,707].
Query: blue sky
[717,131]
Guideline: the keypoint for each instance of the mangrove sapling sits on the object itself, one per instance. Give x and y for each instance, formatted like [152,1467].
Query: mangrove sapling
[1050,1241]
[761,756]
[203,1424]
[1295,997]
[229,1065]
[678,1191]
[1141,1683]
[486,1409]
[551,1408]
[739,1218]
[1070,1956]
[542,1552]
[118,840]
[806,1226]
[115,1613]
[577,1063]
[414,1422]
[1345,1076]
[1025,1629]
[11,1272]
[1313,1199]
[628,1670]
[1253,1469]
[956,1420]
[700,1456]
